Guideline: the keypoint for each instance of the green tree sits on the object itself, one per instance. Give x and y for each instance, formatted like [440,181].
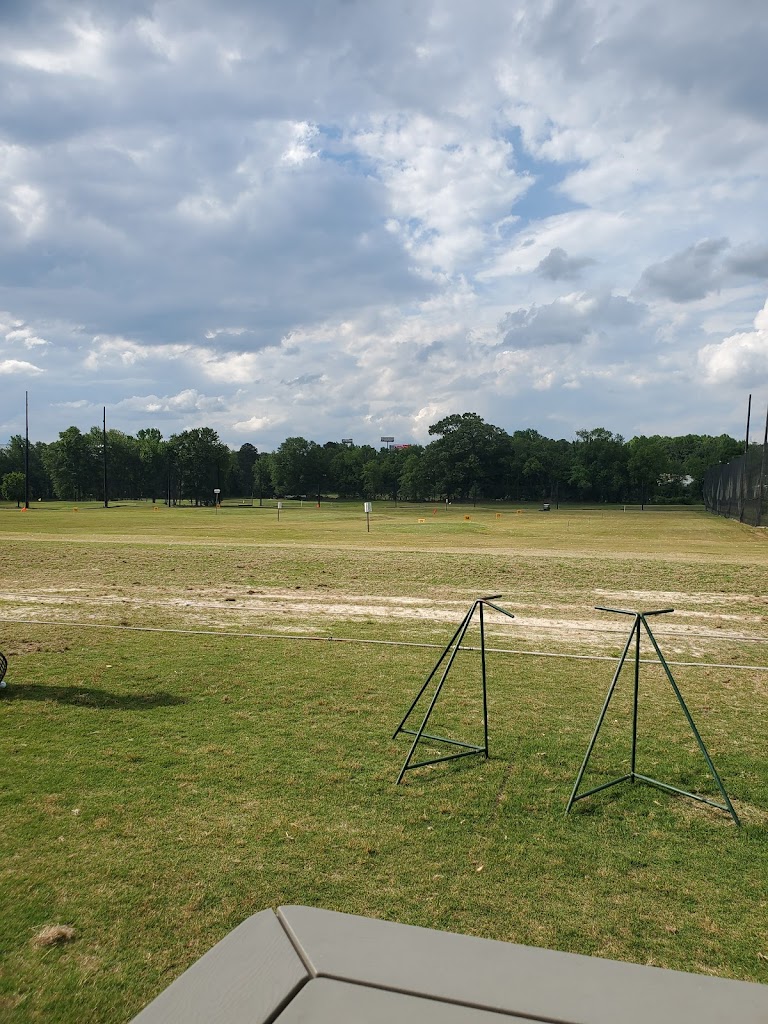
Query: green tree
[468,456]
[73,467]
[123,462]
[13,487]
[384,480]
[13,458]
[647,463]
[242,462]
[416,484]
[153,463]
[262,477]
[297,467]
[346,466]
[599,470]
[201,463]
[709,451]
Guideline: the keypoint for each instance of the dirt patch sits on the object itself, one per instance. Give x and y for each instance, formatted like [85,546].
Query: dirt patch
[54,935]
[701,624]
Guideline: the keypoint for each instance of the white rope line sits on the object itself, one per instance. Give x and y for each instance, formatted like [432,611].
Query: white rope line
[362,640]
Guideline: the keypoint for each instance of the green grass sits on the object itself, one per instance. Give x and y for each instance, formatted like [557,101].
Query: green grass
[158,787]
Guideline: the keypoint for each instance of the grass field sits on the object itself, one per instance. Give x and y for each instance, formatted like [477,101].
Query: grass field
[198,719]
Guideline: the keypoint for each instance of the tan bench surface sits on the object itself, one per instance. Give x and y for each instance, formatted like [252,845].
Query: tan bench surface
[307,964]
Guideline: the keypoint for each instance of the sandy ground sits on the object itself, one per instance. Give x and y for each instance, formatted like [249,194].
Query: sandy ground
[700,622]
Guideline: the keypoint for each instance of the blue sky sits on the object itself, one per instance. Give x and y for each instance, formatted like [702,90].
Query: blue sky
[349,218]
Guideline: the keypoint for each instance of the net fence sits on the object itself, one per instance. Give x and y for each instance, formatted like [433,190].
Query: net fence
[740,489]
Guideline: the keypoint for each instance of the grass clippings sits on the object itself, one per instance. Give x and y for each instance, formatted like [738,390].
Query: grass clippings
[54,935]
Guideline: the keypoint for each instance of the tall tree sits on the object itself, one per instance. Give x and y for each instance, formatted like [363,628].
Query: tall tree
[153,463]
[262,477]
[243,461]
[123,461]
[416,483]
[297,467]
[73,467]
[467,457]
[13,486]
[346,469]
[201,463]
[647,463]
[13,458]
[599,470]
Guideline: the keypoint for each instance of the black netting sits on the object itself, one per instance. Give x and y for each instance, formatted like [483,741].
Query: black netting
[740,489]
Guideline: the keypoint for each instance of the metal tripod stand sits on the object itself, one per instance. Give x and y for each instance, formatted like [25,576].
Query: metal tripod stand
[633,775]
[450,652]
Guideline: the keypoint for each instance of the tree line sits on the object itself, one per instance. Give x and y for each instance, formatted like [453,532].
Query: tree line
[466,460]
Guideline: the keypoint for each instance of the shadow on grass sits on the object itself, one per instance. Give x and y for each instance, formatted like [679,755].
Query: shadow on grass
[89,698]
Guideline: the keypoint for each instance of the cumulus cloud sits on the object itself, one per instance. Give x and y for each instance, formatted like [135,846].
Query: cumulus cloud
[740,358]
[688,275]
[305,378]
[203,207]
[447,184]
[187,401]
[19,367]
[557,265]
[567,320]
[748,261]
[255,424]
[16,332]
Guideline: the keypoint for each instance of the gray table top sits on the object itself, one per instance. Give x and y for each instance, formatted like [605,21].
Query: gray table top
[304,964]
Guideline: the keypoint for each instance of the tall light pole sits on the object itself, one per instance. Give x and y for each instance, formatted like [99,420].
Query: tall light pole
[26,451]
[104,448]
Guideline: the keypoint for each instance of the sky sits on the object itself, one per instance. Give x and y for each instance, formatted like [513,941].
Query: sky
[351,218]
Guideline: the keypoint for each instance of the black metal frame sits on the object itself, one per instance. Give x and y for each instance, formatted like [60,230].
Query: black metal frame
[452,648]
[633,775]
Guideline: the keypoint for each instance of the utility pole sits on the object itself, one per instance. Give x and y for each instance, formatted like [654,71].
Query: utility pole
[104,448]
[26,451]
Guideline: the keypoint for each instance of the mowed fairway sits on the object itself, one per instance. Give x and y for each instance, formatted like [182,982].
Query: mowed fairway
[198,723]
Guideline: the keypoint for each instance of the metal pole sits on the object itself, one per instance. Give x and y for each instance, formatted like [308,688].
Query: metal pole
[462,631]
[462,626]
[592,742]
[104,447]
[692,724]
[749,411]
[636,631]
[485,689]
[26,451]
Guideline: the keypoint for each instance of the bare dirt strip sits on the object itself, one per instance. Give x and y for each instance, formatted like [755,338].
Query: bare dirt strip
[701,623]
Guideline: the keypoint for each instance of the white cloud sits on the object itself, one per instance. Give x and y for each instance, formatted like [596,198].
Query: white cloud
[187,401]
[80,51]
[299,150]
[557,265]
[236,368]
[27,205]
[255,424]
[688,275]
[322,213]
[18,366]
[741,358]
[26,336]
[124,352]
[448,183]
